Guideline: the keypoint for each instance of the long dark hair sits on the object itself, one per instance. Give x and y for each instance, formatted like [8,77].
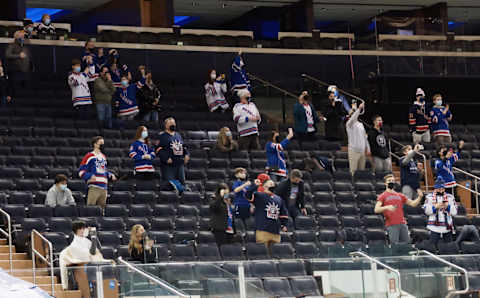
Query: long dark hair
[219,188]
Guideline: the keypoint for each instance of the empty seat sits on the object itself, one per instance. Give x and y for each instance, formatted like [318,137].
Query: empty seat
[60,224]
[109,238]
[65,211]
[131,221]
[38,224]
[205,271]
[263,269]
[58,240]
[304,286]
[40,211]
[282,251]
[140,210]
[306,250]
[21,197]
[111,224]
[279,286]
[257,251]
[291,268]
[208,252]
[221,287]
[90,211]
[161,224]
[231,252]
[183,252]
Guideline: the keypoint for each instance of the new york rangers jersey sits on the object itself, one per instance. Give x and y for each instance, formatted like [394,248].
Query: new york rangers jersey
[126,99]
[94,166]
[443,168]
[418,118]
[238,75]
[440,221]
[270,212]
[242,115]
[276,157]
[137,150]
[440,121]
[215,95]
[78,82]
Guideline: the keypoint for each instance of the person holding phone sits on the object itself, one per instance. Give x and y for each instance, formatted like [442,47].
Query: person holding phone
[223,221]
[390,203]
[140,246]
[276,161]
[440,207]
[215,90]
[306,118]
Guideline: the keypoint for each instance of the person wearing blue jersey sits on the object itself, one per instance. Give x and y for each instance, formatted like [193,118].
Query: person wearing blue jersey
[440,116]
[276,161]
[238,77]
[271,215]
[173,154]
[443,166]
[240,187]
[142,154]
[126,99]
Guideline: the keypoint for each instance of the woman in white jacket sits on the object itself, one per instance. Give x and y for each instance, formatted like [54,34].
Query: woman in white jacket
[440,208]
[215,90]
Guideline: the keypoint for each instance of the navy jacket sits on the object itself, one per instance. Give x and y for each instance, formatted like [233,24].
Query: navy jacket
[300,117]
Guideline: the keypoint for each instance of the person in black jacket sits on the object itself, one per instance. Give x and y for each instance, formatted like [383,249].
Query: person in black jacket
[292,190]
[140,246]
[148,99]
[5,92]
[379,146]
[222,209]
[334,112]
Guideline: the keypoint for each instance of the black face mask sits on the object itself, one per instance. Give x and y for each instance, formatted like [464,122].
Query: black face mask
[391,185]
[277,139]
[101,147]
[172,127]
[440,193]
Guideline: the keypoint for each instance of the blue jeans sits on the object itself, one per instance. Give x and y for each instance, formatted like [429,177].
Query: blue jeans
[151,116]
[174,173]
[104,114]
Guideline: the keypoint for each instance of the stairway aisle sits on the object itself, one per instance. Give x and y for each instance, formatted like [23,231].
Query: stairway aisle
[22,268]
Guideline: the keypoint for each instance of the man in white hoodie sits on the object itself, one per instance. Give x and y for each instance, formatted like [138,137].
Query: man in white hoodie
[247,117]
[358,147]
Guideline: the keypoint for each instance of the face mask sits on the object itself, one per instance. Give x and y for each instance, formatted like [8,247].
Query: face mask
[277,139]
[101,147]
[228,134]
[335,93]
[438,102]
[125,83]
[85,233]
[47,22]
[76,69]
[391,185]
[63,187]
[226,196]
[380,124]
[172,128]
[144,134]
[30,29]
[440,194]
[422,99]
[213,76]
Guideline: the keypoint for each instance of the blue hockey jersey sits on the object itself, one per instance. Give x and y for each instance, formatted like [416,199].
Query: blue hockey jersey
[418,118]
[276,161]
[238,75]
[170,146]
[440,121]
[94,166]
[443,168]
[126,99]
[137,150]
[270,212]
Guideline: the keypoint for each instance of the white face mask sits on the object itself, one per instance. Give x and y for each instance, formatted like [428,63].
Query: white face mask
[85,233]
[438,102]
[213,76]
[144,134]
[63,187]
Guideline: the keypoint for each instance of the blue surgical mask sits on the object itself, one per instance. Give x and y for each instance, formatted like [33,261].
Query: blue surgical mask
[228,133]
[76,69]
[47,22]
[125,83]
[144,134]
[63,187]
[30,29]
[438,102]
[335,93]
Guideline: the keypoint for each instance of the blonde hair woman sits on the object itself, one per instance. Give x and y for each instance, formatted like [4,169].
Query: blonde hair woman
[225,141]
[138,241]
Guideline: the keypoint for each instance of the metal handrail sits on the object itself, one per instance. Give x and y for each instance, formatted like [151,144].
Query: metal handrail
[418,153]
[306,76]
[285,92]
[465,272]
[362,254]
[152,279]
[36,253]
[267,83]
[8,234]
[471,190]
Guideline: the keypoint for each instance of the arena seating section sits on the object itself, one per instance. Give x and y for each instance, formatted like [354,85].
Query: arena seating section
[39,139]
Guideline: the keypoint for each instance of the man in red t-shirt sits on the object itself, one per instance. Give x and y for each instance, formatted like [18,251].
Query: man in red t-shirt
[390,203]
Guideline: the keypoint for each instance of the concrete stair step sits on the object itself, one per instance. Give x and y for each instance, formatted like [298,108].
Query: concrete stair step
[4,249]
[3,241]
[15,256]
[28,273]
[17,264]
[67,294]
[42,279]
